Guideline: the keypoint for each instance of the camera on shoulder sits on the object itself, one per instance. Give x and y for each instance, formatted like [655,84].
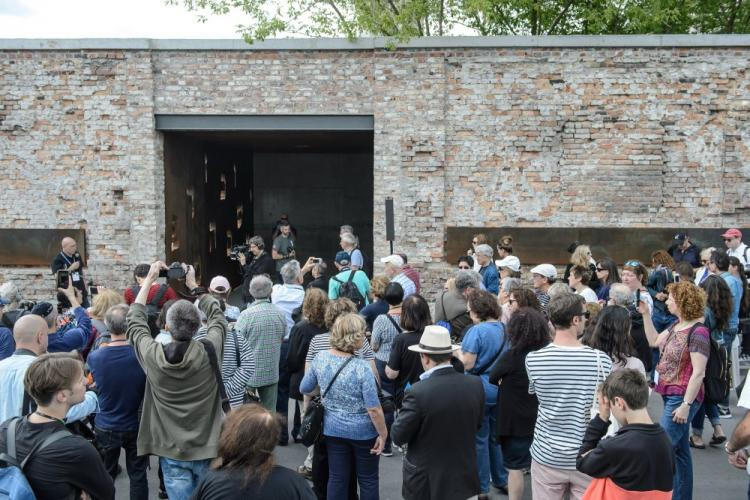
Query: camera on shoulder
[237,250]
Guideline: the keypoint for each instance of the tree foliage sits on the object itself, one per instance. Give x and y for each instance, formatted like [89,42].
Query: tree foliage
[404,19]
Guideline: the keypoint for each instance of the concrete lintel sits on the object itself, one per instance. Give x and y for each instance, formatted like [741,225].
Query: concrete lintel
[446,42]
[264,122]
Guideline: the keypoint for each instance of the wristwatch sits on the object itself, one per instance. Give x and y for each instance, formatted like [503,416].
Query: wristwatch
[726,448]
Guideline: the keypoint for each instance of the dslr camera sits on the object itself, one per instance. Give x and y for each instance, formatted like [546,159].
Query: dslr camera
[174,272]
[237,249]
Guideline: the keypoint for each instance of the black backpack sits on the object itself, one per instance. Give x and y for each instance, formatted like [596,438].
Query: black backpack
[152,307]
[718,378]
[349,290]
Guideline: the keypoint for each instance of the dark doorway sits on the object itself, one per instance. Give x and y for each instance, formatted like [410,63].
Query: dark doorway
[224,187]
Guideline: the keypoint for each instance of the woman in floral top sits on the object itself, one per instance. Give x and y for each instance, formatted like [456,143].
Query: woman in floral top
[684,348]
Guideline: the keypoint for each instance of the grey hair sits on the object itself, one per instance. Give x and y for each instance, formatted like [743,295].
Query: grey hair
[507,283]
[183,320]
[346,228]
[349,239]
[621,295]
[257,241]
[706,252]
[558,288]
[485,250]
[290,272]
[116,319]
[261,287]
[467,279]
[321,267]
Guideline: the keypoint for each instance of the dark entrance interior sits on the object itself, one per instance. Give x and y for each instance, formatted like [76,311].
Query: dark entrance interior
[224,187]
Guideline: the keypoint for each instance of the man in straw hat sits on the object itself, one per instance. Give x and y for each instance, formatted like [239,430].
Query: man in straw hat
[439,420]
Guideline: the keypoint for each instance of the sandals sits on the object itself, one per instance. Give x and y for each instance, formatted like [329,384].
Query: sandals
[697,446]
[717,440]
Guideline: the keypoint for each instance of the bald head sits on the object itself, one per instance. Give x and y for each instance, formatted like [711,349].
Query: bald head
[68,245]
[30,332]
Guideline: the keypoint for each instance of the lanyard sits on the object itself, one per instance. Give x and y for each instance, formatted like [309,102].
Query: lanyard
[65,257]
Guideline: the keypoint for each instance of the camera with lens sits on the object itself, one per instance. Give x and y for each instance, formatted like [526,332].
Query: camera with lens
[237,250]
[174,272]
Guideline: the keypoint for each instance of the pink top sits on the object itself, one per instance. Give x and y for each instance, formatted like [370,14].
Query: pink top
[674,366]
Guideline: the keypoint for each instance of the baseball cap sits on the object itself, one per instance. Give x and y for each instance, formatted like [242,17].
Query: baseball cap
[680,236]
[546,270]
[396,260]
[732,233]
[42,309]
[342,258]
[511,262]
[219,284]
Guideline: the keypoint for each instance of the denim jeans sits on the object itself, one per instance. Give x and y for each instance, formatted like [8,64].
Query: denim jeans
[679,435]
[109,444]
[709,410]
[342,454]
[181,476]
[489,454]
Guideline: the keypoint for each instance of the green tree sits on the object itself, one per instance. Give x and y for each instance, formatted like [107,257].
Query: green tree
[405,19]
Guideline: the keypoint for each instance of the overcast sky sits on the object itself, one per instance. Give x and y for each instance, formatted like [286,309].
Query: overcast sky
[108,19]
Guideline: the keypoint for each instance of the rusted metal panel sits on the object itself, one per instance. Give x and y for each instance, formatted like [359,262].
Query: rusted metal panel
[536,245]
[36,247]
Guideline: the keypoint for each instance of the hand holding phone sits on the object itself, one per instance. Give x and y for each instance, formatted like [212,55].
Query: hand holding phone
[63,278]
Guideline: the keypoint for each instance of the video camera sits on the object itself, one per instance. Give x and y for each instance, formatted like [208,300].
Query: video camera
[237,249]
[174,272]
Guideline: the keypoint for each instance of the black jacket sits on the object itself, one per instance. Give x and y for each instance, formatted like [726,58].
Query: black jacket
[638,458]
[263,264]
[439,419]
[516,408]
[299,342]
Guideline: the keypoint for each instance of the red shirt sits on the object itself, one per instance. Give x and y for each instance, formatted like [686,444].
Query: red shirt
[168,295]
[412,274]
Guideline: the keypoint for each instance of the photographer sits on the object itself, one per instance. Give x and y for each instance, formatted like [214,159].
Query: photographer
[261,263]
[162,292]
[283,245]
[181,382]
[70,260]
[318,268]
[66,338]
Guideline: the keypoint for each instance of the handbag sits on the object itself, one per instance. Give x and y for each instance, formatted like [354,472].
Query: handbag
[312,422]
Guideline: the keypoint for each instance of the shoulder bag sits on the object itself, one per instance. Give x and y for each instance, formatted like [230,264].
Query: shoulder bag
[312,422]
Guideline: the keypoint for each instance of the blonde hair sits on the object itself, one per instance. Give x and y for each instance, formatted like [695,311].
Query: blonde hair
[581,256]
[378,284]
[106,298]
[348,332]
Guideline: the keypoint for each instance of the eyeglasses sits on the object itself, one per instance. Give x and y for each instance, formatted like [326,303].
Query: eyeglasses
[586,314]
[464,267]
[599,269]
[633,263]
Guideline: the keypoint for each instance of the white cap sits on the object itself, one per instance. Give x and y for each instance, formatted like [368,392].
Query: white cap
[219,285]
[511,262]
[396,260]
[546,270]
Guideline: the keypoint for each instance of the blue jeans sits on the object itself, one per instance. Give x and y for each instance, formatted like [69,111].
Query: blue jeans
[679,435]
[181,476]
[709,410]
[342,453]
[109,444]
[489,454]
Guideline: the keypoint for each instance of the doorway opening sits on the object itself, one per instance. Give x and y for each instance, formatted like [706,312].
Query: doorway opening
[223,187]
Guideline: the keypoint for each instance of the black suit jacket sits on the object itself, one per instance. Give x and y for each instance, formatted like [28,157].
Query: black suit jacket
[439,419]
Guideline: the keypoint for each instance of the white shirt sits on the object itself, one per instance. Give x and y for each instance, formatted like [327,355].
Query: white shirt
[287,298]
[739,252]
[588,294]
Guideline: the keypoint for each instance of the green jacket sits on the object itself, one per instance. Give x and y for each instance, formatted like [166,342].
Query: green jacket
[182,412]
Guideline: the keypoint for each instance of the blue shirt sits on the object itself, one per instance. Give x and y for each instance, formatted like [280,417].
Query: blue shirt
[70,339]
[490,278]
[346,404]
[121,383]
[372,310]
[485,340]
[7,344]
[735,286]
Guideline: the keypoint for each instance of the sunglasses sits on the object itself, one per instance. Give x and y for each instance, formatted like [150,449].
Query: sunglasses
[728,239]
[599,269]
[633,263]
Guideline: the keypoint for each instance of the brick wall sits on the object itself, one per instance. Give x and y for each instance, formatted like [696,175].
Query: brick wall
[463,137]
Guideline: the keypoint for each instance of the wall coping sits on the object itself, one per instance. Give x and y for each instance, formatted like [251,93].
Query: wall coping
[377,43]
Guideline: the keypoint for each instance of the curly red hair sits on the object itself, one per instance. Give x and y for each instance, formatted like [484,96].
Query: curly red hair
[690,299]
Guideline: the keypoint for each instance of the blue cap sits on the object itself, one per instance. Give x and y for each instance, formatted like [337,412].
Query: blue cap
[342,258]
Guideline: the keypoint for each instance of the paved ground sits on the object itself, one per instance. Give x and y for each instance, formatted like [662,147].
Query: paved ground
[713,477]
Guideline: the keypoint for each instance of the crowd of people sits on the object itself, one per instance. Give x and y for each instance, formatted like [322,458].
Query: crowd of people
[545,373]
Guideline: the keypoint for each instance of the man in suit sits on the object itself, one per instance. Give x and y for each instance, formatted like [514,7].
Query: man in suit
[438,420]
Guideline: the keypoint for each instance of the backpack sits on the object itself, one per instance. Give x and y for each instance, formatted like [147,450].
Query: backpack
[718,378]
[9,318]
[349,290]
[13,482]
[152,307]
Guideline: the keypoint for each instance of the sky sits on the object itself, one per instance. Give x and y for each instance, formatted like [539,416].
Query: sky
[109,19]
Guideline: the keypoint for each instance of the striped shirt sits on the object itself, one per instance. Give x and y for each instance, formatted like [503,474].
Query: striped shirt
[234,376]
[322,342]
[564,380]
[408,285]
[263,325]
